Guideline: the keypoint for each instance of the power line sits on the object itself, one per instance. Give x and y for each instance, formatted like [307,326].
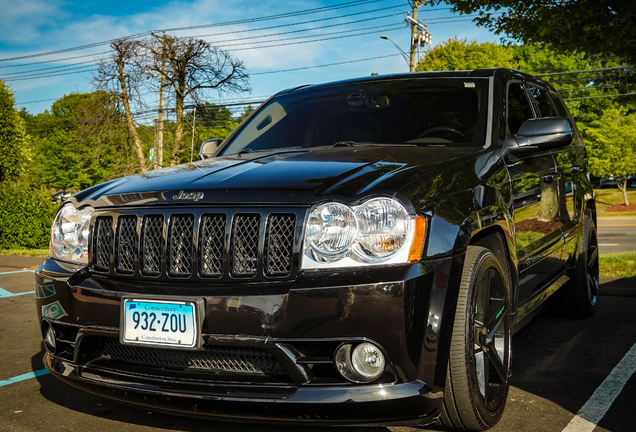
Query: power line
[54,61]
[602,96]
[231,40]
[278,16]
[377,29]
[316,40]
[325,65]
[585,71]
[388,28]
[137,35]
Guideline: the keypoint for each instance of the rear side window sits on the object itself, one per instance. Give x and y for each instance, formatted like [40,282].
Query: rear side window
[562,110]
[519,109]
[546,108]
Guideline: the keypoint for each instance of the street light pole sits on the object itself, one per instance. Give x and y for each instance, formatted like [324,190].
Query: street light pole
[404,55]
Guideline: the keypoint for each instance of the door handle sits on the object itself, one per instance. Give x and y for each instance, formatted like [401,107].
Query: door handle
[550,177]
[575,169]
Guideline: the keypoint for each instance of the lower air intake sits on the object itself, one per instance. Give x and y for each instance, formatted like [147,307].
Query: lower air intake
[223,359]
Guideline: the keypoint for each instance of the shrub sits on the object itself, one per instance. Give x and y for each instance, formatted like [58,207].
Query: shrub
[25,217]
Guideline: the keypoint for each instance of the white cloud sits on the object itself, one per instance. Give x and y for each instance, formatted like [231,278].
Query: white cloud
[21,21]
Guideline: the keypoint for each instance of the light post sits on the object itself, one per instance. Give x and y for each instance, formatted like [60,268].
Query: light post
[404,55]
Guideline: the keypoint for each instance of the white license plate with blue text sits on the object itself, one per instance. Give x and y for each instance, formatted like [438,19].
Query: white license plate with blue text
[159,323]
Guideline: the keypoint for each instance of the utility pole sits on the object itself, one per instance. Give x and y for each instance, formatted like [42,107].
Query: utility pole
[159,142]
[419,33]
[416,4]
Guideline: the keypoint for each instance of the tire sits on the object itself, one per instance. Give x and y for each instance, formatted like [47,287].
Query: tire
[578,298]
[478,371]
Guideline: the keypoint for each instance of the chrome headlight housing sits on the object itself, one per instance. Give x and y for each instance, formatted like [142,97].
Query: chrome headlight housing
[69,234]
[378,231]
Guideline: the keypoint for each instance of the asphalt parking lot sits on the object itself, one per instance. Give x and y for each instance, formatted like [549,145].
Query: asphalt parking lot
[559,367]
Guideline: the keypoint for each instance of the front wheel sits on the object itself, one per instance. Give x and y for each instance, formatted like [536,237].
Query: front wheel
[478,370]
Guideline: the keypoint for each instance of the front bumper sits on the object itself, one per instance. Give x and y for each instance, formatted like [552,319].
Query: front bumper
[401,309]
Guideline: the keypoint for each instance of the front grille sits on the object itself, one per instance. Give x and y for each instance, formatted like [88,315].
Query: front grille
[221,245]
[103,243]
[212,248]
[181,245]
[126,244]
[223,359]
[152,234]
[245,244]
[280,242]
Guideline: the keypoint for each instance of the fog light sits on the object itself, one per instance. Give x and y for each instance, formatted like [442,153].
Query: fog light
[368,360]
[364,363]
[49,339]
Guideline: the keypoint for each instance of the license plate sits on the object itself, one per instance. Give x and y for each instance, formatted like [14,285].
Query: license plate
[159,323]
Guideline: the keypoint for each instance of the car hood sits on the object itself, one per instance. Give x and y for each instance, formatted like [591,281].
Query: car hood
[300,177]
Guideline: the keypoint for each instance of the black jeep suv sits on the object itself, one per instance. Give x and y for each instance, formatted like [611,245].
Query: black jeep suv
[354,252]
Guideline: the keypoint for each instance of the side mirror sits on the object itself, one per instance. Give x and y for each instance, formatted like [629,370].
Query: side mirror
[208,148]
[542,134]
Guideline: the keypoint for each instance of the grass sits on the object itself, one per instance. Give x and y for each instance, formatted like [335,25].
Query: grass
[618,265]
[25,252]
[609,197]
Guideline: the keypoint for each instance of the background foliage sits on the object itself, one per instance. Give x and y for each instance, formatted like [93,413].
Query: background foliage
[25,217]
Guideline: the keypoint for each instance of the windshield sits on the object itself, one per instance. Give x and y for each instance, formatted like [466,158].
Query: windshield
[422,112]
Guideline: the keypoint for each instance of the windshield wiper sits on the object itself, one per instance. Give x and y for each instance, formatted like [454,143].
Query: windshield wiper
[245,151]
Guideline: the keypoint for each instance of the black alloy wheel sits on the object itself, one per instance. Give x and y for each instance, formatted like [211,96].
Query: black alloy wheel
[491,344]
[478,372]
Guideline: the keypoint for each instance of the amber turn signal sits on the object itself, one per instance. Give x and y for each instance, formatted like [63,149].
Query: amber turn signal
[418,239]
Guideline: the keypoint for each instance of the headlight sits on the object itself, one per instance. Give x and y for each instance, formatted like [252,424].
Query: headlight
[69,234]
[379,231]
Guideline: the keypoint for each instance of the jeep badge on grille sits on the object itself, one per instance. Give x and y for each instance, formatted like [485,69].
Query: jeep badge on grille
[196,196]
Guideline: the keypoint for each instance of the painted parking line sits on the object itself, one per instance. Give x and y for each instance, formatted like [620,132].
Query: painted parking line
[617,225]
[17,271]
[608,244]
[23,377]
[4,293]
[595,408]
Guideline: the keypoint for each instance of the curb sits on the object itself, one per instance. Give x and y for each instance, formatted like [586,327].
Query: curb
[20,262]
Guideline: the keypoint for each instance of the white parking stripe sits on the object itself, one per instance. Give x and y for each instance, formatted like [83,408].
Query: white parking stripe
[595,408]
[17,271]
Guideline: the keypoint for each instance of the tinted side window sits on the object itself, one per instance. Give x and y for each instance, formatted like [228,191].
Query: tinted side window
[519,109]
[543,101]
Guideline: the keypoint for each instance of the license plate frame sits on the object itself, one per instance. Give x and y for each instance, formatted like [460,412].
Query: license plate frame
[189,312]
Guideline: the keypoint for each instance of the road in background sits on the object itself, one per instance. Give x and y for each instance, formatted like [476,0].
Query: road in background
[617,234]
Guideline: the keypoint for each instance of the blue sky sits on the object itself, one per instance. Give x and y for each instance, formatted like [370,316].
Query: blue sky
[36,26]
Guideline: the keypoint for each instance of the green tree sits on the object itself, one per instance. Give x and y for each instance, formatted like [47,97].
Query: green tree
[602,27]
[612,146]
[457,54]
[80,142]
[13,137]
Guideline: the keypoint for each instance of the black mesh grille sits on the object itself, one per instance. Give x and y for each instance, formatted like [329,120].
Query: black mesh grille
[152,237]
[245,244]
[212,244]
[226,359]
[181,245]
[201,245]
[103,243]
[126,244]
[280,243]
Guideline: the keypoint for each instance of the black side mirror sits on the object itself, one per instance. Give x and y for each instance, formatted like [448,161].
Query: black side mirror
[542,134]
[209,147]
